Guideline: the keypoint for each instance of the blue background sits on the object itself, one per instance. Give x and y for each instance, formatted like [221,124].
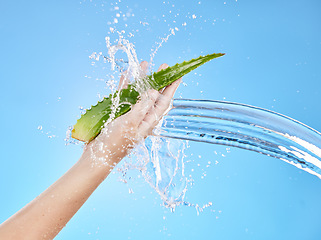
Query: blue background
[272,61]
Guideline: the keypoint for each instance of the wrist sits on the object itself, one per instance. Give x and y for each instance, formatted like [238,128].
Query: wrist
[98,155]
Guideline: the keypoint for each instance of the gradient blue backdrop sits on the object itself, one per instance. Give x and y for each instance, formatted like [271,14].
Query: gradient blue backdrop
[272,61]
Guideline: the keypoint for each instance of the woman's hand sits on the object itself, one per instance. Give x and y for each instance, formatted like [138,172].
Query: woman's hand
[121,135]
[46,215]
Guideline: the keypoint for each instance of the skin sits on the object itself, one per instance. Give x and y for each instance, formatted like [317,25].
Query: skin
[46,215]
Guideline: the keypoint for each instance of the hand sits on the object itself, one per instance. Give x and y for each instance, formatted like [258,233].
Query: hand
[46,215]
[121,135]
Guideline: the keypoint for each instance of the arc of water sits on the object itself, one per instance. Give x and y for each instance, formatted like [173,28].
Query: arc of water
[247,127]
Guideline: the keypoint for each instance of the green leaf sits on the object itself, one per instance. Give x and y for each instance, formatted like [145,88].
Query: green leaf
[166,76]
[91,123]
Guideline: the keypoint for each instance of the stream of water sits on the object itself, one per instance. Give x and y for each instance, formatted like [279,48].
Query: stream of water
[161,157]
[247,127]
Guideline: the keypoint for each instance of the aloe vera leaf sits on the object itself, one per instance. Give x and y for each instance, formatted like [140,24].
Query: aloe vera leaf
[91,123]
[168,75]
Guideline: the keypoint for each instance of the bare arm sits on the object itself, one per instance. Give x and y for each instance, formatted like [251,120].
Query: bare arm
[46,215]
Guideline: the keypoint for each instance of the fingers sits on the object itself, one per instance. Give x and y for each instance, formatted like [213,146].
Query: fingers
[147,112]
[163,66]
[164,100]
[144,66]
[160,107]
[142,107]
[123,81]
[169,91]
[124,78]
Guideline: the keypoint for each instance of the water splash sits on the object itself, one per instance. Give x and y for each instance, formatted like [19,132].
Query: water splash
[159,45]
[162,166]
[247,127]
[160,160]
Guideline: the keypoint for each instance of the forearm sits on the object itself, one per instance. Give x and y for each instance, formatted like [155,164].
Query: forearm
[46,215]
